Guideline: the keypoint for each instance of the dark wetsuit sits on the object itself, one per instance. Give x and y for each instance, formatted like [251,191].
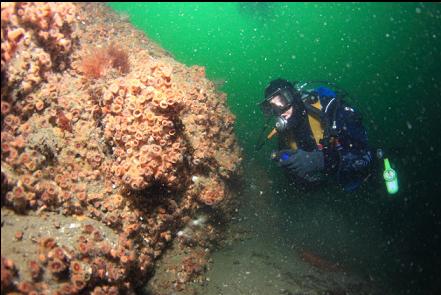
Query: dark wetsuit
[349,157]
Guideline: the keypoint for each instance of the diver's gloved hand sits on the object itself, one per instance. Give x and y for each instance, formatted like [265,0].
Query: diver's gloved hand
[304,164]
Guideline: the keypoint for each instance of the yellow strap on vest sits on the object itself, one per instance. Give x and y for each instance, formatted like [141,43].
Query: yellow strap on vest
[316,127]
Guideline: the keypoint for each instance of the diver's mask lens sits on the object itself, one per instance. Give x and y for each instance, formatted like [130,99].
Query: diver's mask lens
[277,104]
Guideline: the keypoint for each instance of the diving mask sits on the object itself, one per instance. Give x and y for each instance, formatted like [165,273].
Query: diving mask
[277,103]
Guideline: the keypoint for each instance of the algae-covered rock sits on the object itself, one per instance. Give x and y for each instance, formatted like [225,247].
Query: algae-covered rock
[102,131]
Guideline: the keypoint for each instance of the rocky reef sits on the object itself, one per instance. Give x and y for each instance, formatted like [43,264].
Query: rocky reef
[111,151]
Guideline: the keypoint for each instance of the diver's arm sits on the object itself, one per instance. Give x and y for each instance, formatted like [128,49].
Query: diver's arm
[339,159]
[355,161]
[351,152]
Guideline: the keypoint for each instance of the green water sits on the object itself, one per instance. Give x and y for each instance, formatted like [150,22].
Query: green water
[388,56]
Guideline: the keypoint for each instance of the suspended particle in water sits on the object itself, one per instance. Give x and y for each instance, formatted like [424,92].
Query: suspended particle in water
[418,10]
[387,35]
[409,126]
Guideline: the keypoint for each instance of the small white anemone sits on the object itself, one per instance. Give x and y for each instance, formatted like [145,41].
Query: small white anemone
[199,221]
[185,233]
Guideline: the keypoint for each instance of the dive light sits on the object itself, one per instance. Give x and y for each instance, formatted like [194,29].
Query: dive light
[276,156]
[390,178]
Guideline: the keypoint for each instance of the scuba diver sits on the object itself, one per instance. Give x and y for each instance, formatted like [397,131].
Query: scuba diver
[320,136]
